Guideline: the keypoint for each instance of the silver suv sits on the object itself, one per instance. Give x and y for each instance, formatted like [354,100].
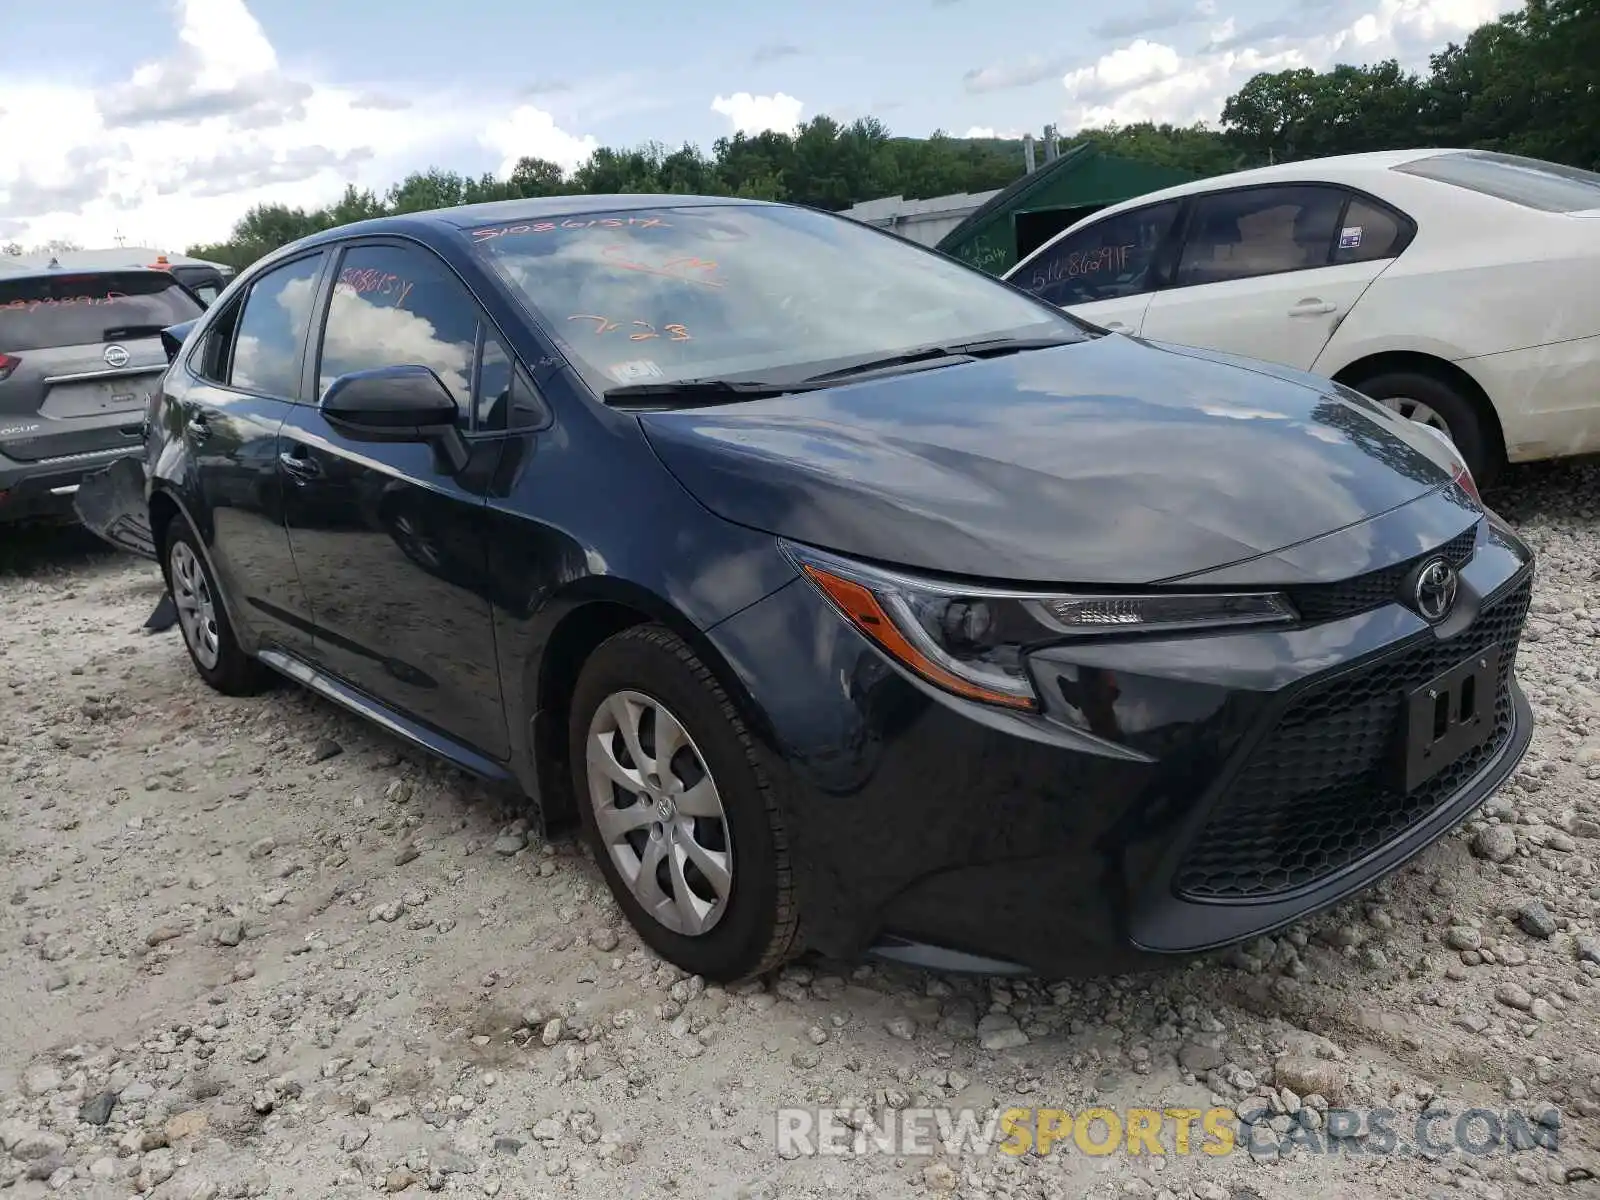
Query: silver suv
[80,354]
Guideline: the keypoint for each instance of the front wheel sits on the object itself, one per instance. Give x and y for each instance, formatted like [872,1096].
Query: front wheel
[680,816]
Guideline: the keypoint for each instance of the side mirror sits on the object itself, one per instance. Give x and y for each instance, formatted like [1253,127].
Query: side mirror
[396,404]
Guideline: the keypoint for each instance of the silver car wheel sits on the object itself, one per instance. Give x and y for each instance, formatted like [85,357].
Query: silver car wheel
[1416,410]
[659,813]
[197,614]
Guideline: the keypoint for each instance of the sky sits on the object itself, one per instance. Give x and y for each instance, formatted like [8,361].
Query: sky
[162,121]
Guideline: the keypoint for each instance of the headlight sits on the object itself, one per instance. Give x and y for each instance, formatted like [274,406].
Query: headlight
[971,640]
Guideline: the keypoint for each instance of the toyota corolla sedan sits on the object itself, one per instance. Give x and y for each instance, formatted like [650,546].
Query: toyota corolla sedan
[847,596]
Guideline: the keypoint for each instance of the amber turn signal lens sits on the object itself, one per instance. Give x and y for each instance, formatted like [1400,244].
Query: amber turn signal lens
[862,609]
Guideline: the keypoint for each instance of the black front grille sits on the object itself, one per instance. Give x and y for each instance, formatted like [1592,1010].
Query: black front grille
[1334,601]
[1316,794]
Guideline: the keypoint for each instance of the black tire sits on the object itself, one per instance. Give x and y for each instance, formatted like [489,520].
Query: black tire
[759,928]
[1477,442]
[234,673]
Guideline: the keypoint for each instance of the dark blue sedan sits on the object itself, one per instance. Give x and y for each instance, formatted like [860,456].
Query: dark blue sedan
[849,597]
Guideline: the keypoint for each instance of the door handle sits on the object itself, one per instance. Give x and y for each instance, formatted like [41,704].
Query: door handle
[1313,308]
[298,465]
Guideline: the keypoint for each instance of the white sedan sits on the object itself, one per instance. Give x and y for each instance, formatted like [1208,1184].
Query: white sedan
[1459,287]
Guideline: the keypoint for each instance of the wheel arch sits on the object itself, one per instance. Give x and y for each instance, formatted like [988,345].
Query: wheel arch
[1453,374]
[580,621]
[167,506]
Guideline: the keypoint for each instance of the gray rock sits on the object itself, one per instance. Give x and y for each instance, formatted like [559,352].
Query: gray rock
[40,1079]
[452,1162]
[230,932]
[325,749]
[510,843]
[1513,995]
[903,1028]
[1496,843]
[1000,1031]
[1197,1058]
[1462,937]
[97,1110]
[1535,919]
[36,1144]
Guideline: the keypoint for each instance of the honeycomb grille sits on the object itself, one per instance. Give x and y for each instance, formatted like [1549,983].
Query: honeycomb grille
[1316,795]
[1334,601]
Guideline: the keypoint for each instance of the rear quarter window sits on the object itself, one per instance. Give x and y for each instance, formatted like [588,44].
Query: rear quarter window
[41,312]
[1529,182]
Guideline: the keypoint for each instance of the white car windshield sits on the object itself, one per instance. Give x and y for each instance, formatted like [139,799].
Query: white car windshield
[747,290]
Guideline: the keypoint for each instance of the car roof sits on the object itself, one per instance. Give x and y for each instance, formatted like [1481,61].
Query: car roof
[540,208]
[34,272]
[1335,168]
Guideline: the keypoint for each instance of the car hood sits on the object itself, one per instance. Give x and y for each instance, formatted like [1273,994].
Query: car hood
[1111,461]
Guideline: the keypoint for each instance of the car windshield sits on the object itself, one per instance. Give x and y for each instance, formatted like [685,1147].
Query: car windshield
[744,291]
[43,311]
[1530,182]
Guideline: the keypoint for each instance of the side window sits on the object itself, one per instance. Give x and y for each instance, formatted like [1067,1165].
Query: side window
[1368,232]
[257,345]
[506,397]
[1259,231]
[399,305]
[1106,261]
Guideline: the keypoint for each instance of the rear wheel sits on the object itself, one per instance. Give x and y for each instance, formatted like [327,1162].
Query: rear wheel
[1429,400]
[203,621]
[677,810]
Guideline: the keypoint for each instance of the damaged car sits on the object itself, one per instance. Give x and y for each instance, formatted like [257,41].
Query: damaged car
[847,597]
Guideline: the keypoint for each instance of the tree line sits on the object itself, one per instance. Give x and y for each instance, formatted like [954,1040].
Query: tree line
[1526,83]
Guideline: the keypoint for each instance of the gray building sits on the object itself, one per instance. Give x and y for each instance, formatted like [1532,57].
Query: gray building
[922,221]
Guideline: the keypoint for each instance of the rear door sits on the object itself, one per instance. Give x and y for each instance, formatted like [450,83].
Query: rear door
[1105,271]
[79,356]
[391,543]
[1269,272]
[240,382]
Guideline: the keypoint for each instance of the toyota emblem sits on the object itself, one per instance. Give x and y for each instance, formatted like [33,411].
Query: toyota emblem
[1434,593]
[116,356]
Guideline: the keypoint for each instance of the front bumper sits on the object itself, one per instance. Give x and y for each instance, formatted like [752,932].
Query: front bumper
[1223,787]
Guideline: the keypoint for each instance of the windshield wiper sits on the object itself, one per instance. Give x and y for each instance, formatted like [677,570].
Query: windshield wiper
[687,393]
[954,352]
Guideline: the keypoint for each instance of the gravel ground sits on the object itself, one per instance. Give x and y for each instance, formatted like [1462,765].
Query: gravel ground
[257,948]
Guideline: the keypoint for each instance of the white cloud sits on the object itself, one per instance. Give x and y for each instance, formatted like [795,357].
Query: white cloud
[749,114]
[988,131]
[532,132]
[1152,81]
[176,152]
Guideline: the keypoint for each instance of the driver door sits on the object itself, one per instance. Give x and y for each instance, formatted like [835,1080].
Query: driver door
[1107,271]
[389,538]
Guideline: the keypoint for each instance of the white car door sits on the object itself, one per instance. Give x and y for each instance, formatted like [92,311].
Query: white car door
[1102,272]
[1269,272]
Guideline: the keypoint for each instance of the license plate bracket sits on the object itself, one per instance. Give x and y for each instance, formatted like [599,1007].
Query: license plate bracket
[1449,716]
